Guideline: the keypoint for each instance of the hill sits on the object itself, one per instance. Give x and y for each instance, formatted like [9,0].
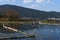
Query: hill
[26,12]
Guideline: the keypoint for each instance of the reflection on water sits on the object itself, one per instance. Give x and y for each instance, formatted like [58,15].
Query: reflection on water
[44,32]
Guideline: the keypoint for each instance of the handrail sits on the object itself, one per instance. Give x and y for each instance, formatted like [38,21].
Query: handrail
[16,30]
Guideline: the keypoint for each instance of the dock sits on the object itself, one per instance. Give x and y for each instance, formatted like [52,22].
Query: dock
[18,34]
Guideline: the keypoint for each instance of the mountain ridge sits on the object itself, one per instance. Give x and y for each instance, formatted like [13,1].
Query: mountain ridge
[26,12]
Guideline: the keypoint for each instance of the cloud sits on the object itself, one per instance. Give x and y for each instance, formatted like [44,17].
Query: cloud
[33,6]
[1,0]
[36,1]
[7,0]
[40,1]
[11,1]
[51,2]
[48,1]
[27,1]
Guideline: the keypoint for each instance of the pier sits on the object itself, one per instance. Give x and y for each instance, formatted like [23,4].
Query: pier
[19,34]
[15,36]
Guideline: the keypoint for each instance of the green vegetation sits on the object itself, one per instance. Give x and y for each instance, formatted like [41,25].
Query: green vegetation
[11,18]
[50,21]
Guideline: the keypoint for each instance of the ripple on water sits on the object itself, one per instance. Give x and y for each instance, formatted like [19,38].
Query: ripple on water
[47,32]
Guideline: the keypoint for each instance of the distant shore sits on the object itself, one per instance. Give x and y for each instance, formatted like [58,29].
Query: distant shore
[49,23]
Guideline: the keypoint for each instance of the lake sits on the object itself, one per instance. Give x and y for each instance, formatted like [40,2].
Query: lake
[44,32]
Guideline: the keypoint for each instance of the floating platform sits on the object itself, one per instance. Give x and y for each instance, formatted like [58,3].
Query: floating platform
[17,36]
[20,34]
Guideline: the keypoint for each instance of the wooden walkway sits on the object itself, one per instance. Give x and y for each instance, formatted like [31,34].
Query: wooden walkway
[19,35]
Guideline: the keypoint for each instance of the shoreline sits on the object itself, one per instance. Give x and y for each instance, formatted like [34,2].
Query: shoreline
[50,23]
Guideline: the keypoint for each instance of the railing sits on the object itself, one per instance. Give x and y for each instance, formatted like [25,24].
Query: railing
[16,30]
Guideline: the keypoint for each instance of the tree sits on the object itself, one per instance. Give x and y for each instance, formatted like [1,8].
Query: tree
[12,13]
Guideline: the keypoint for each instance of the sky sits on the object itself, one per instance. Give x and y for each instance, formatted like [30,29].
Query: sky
[44,5]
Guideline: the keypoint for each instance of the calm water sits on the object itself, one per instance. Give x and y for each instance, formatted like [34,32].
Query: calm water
[44,32]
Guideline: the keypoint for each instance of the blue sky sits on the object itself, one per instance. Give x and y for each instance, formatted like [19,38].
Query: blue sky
[45,5]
